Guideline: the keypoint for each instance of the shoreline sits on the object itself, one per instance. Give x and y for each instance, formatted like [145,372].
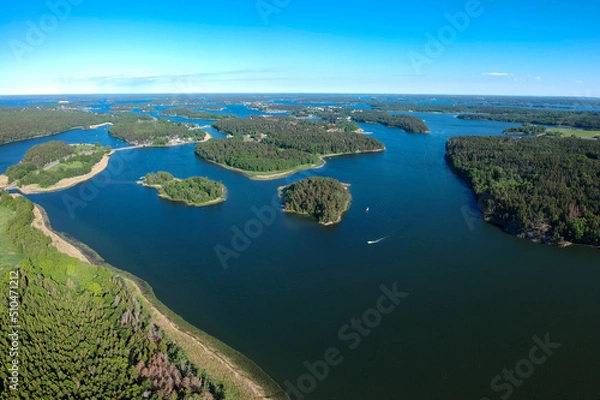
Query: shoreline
[68,182]
[205,351]
[100,125]
[284,174]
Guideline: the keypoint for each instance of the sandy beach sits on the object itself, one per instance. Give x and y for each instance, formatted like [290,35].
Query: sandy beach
[69,182]
[58,242]
[101,125]
[3,180]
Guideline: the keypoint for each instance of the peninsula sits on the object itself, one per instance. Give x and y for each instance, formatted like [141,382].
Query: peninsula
[195,191]
[132,345]
[55,166]
[143,130]
[190,113]
[325,199]
[271,148]
[22,123]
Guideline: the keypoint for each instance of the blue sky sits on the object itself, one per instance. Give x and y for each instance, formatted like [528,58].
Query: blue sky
[233,46]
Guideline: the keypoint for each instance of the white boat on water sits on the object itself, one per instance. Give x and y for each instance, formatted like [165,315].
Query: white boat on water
[376,241]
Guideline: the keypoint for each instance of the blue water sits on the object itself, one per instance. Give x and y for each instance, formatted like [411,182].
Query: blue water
[476,298]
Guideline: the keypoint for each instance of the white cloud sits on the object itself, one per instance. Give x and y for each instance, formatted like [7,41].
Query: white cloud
[495,74]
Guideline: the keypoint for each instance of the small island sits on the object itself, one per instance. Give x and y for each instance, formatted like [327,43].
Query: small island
[325,199]
[145,131]
[55,165]
[195,191]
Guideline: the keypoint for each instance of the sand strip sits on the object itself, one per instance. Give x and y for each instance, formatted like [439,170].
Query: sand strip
[69,182]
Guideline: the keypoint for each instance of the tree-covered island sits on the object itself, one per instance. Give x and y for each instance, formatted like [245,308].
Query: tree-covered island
[22,123]
[269,147]
[337,114]
[190,113]
[544,189]
[143,130]
[56,165]
[325,199]
[195,191]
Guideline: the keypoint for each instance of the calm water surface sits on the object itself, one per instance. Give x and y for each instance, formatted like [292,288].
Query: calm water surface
[476,298]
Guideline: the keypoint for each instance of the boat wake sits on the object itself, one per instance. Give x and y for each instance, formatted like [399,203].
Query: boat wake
[377,241]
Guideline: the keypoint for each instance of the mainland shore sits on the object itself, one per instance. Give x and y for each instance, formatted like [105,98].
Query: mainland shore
[201,349]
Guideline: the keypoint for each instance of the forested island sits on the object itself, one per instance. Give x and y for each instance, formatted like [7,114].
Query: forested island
[575,119]
[195,191]
[56,165]
[269,147]
[336,114]
[143,130]
[544,189]
[190,113]
[325,199]
[22,123]
[96,332]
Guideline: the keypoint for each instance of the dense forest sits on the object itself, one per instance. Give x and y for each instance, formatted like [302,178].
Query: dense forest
[83,332]
[275,144]
[47,163]
[408,123]
[576,119]
[544,188]
[21,123]
[325,199]
[144,130]
[315,137]
[194,191]
[253,156]
[190,113]
[525,129]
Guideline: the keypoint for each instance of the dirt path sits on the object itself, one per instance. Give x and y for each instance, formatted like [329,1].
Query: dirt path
[201,354]
[69,182]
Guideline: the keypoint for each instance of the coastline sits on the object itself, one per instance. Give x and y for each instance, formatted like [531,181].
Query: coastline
[284,174]
[69,182]
[101,125]
[216,358]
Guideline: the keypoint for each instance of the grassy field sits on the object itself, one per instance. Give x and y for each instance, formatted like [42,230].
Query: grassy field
[574,132]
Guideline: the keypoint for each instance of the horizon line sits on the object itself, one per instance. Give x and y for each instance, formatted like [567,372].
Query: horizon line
[294,93]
